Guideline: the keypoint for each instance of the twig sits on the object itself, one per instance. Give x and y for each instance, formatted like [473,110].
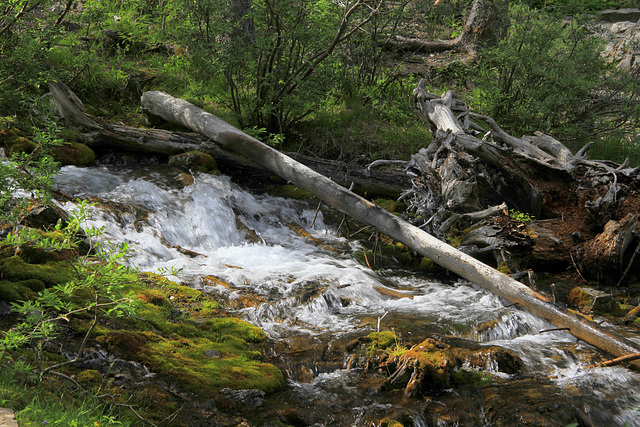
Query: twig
[316,214]
[553,330]
[576,267]
[617,360]
[506,306]
[361,230]
[380,319]
[172,416]
[367,260]
[131,407]
[68,378]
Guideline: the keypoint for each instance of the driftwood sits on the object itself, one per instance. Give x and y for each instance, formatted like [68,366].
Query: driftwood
[469,167]
[182,112]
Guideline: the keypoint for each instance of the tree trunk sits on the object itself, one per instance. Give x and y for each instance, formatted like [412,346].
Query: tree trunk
[485,25]
[194,118]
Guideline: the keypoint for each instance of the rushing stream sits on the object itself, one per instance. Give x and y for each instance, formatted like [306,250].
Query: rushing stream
[306,291]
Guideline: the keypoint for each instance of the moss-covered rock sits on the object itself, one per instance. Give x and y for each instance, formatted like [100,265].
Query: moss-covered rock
[434,365]
[20,291]
[587,299]
[382,340]
[201,353]
[20,145]
[196,161]
[290,191]
[89,377]
[393,206]
[74,154]
[51,273]
[426,264]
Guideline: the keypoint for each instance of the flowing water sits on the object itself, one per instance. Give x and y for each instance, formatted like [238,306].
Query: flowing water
[308,293]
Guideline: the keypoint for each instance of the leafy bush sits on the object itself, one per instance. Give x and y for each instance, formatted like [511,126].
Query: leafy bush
[541,75]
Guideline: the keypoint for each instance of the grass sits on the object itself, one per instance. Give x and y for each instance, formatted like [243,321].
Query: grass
[616,148]
[38,406]
[358,130]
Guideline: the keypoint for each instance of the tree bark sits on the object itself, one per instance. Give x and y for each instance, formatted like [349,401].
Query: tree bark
[179,111]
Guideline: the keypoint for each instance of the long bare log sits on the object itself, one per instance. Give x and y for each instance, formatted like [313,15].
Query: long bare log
[182,112]
[109,136]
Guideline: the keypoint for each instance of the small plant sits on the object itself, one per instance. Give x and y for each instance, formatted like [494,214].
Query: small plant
[520,216]
[272,139]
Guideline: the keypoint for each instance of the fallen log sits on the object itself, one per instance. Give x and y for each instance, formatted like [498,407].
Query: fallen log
[182,112]
[468,168]
[109,136]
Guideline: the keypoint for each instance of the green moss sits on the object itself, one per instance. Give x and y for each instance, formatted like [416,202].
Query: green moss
[426,264]
[202,356]
[405,258]
[468,377]
[205,366]
[196,161]
[21,290]
[503,267]
[74,154]
[289,191]
[435,363]
[386,422]
[392,206]
[89,377]
[382,340]
[21,145]
[51,273]
[578,298]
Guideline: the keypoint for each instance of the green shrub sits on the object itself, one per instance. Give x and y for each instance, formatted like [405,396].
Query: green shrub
[540,77]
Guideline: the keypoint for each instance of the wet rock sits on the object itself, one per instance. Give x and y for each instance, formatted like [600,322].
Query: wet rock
[125,372]
[527,402]
[74,154]
[249,398]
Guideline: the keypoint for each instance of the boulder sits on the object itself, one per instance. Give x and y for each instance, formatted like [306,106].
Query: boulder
[619,15]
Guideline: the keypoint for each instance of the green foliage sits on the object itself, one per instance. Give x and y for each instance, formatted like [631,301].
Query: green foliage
[272,139]
[520,216]
[28,174]
[568,7]
[35,406]
[616,147]
[96,288]
[541,75]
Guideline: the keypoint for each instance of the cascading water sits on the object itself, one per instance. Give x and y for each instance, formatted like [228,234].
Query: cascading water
[308,285]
